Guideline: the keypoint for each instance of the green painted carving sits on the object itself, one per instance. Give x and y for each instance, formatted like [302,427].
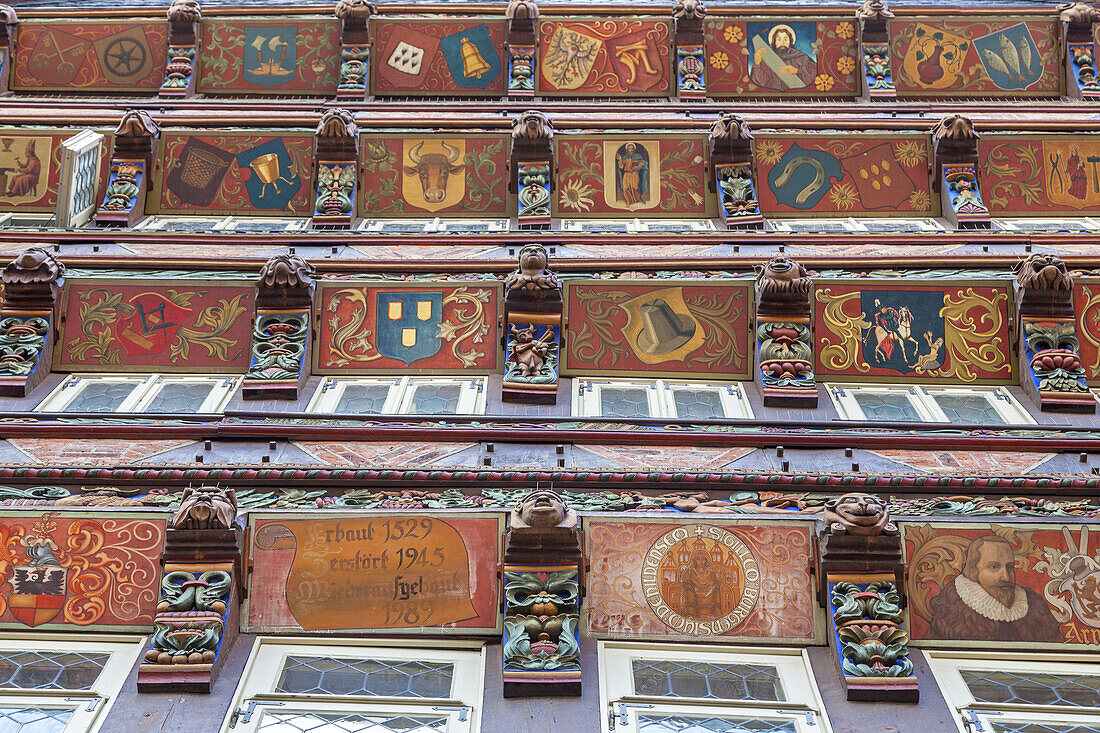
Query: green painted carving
[278,345]
[184,591]
[22,339]
[541,594]
[335,189]
[870,639]
[190,617]
[555,645]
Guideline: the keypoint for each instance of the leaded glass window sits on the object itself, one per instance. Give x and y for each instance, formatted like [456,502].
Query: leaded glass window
[659,398]
[968,409]
[623,402]
[1000,686]
[100,397]
[435,399]
[381,677]
[279,722]
[363,399]
[34,719]
[712,724]
[887,406]
[697,404]
[1019,726]
[400,396]
[957,405]
[45,670]
[667,678]
[180,397]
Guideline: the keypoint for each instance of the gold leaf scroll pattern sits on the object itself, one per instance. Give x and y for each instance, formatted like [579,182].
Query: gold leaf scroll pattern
[210,328]
[351,341]
[1090,325]
[935,558]
[611,579]
[846,352]
[972,341]
[785,552]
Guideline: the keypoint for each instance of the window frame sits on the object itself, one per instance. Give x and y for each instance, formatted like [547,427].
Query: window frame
[471,400]
[265,662]
[660,394]
[637,226]
[146,388]
[79,153]
[1011,224]
[91,706]
[436,225]
[922,398]
[946,668]
[617,696]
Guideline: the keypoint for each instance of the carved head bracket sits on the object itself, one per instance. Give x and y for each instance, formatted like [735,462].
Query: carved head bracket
[784,283]
[1078,14]
[137,124]
[206,507]
[355,10]
[955,139]
[1045,286]
[286,280]
[858,514]
[730,139]
[184,12]
[534,126]
[33,280]
[8,15]
[533,285]
[337,123]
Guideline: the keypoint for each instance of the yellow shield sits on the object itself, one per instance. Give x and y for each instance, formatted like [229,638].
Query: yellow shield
[661,327]
[935,57]
[433,172]
[569,58]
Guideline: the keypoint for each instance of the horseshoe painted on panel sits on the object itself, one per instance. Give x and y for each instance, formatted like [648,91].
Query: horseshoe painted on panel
[813,186]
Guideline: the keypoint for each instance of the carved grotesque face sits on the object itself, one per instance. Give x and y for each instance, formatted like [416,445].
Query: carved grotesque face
[542,509]
[533,258]
[1044,272]
[861,510]
[782,268]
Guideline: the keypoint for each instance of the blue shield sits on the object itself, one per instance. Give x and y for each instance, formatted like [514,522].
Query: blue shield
[273,182]
[802,177]
[471,57]
[1010,57]
[408,325]
[270,54]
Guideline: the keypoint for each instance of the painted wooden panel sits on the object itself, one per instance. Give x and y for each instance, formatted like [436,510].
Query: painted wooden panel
[1002,586]
[438,57]
[767,57]
[668,327]
[1036,175]
[30,167]
[669,579]
[402,573]
[434,175]
[1086,303]
[62,570]
[625,176]
[891,331]
[90,56]
[936,57]
[267,56]
[585,57]
[213,172]
[846,175]
[195,326]
[424,327]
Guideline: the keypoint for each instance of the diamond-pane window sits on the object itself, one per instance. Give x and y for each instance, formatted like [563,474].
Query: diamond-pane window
[968,409]
[50,671]
[436,399]
[363,399]
[668,678]
[180,397]
[711,724]
[374,677]
[623,402]
[887,406]
[1000,726]
[1033,689]
[280,722]
[33,720]
[100,397]
[698,404]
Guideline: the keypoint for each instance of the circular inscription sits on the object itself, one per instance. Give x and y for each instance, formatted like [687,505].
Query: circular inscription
[700,579]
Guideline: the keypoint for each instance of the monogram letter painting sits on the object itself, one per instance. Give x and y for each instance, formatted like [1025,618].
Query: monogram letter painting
[632,176]
[226,173]
[438,58]
[269,57]
[986,57]
[432,328]
[405,176]
[667,580]
[173,326]
[61,570]
[395,572]
[891,331]
[854,174]
[89,56]
[1002,586]
[766,58]
[676,328]
[604,58]
[1025,175]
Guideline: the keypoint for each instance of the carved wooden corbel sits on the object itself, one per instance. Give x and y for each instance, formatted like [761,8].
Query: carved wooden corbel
[1050,353]
[731,157]
[532,161]
[874,44]
[336,160]
[1079,35]
[783,334]
[523,17]
[955,156]
[130,178]
[542,596]
[532,330]
[28,320]
[8,20]
[688,16]
[355,18]
[281,340]
[183,34]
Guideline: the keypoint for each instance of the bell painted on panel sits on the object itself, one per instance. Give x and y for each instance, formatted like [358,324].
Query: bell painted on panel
[473,64]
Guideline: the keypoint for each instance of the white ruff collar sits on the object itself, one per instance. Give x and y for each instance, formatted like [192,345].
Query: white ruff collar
[980,601]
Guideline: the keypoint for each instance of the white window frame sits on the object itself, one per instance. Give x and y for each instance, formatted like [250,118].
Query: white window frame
[1011,224]
[635,226]
[946,666]
[146,388]
[20,220]
[434,225]
[923,401]
[90,707]
[265,663]
[621,707]
[852,224]
[202,223]
[79,181]
[471,400]
[659,395]
[230,223]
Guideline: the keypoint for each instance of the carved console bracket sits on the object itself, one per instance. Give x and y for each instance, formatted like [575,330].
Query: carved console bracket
[336,159]
[8,21]
[1051,354]
[131,170]
[691,82]
[955,152]
[32,294]
[542,555]
[354,17]
[197,616]
[1078,29]
[874,41]
[532,330]
[523,16]
[183,33]
[532,156]
[783,339]
[733,179]
[281,332]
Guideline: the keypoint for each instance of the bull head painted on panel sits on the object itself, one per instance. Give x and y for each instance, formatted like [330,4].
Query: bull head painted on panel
[434,169]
